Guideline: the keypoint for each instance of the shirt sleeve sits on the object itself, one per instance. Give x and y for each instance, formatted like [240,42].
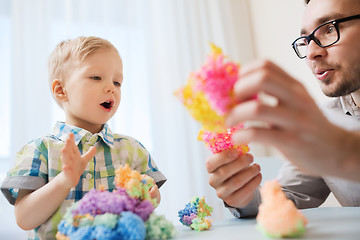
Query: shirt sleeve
[250,210]
[151,167]
[154,172]
[30,171]
[304,190]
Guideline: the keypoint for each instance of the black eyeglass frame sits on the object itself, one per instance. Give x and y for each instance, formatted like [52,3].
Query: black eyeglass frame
[311,36]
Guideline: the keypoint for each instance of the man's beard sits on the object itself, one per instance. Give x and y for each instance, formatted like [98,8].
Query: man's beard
[350,83]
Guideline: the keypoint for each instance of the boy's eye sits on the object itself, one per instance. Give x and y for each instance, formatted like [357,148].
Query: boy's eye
[117,84]
[96,78]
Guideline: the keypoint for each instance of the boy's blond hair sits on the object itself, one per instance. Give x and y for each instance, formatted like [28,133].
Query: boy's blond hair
[72,50]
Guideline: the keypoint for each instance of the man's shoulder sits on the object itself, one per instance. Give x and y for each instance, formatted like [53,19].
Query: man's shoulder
[340,115]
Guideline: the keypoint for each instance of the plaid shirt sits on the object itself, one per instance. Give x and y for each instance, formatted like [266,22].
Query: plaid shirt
[39,162]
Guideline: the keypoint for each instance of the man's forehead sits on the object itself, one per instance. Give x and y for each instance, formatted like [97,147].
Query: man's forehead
[318,20]
[321,11]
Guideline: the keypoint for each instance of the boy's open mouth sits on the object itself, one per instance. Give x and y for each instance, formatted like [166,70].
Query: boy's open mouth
[107,104]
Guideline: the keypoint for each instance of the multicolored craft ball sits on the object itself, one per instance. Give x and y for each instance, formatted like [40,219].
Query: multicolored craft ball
[125,213]
[208,96]
[194,214]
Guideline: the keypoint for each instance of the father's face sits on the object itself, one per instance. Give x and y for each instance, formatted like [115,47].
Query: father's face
[337,67]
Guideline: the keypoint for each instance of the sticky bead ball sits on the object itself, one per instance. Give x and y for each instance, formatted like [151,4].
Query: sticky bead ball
[125,213]
[208,97]
[194,214]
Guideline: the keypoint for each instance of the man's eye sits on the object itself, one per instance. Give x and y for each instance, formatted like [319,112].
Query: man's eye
[330,29]
[96,78]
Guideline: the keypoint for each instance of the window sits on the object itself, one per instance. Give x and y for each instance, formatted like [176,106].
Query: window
[5,89]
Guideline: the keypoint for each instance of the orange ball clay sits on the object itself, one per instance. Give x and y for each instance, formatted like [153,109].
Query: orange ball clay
[278,216]
[136,184]
[208,97]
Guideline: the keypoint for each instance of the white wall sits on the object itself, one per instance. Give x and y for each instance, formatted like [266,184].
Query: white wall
[276,24]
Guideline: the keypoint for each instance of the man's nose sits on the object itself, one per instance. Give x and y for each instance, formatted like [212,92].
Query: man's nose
[314,51]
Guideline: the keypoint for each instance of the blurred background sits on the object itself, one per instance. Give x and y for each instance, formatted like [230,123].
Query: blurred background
[161,43]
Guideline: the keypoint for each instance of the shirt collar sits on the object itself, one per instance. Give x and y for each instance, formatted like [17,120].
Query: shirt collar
[62,130]
[349,105]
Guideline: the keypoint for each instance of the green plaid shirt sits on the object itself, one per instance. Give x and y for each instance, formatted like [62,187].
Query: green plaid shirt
[39,162]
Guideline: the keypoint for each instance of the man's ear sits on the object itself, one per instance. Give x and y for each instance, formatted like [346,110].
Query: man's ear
[58,90]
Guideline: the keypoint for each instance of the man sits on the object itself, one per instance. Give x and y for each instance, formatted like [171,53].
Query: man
[325,143]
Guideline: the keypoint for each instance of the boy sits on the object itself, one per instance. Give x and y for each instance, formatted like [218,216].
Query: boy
[52,172]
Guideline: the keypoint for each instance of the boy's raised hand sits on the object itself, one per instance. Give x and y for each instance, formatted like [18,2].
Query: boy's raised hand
[74,163]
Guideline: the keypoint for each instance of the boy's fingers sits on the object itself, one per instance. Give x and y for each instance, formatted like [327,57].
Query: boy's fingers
[65,157]
[70,144]
[154,188]
[65,168]
[89,154]
[70,138]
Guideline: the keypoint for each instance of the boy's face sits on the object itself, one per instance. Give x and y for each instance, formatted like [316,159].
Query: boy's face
[93,90]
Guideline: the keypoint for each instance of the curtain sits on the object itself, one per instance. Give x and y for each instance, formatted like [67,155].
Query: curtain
[160,42]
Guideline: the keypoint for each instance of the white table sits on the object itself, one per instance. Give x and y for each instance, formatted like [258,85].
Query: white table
[323,223]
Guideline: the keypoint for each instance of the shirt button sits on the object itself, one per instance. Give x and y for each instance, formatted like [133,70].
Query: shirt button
[88,176]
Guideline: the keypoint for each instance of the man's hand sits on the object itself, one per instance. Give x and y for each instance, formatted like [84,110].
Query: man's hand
[233,177]
[296,126]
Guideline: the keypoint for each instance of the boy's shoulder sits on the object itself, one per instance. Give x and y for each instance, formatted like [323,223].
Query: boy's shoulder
[40,146]
[46,138]
[121,139]
[44,141]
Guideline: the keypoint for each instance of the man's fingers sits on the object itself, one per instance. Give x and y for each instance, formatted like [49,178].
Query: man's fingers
[217,160]
[266,77]
[271,136]
[238,181]
[243,196]
[226,171]
[279,116]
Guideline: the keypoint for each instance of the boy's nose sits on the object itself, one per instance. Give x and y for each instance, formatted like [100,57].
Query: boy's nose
[109,88]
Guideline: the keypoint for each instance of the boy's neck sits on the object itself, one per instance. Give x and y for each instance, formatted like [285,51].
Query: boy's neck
[93,128]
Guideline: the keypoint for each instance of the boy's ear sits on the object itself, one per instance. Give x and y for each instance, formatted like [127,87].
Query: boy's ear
[58,90]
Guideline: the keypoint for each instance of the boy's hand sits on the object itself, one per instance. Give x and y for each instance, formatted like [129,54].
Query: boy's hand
[74,163]
[155,193]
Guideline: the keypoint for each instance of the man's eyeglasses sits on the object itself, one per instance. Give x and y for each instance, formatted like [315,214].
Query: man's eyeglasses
[324,35]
